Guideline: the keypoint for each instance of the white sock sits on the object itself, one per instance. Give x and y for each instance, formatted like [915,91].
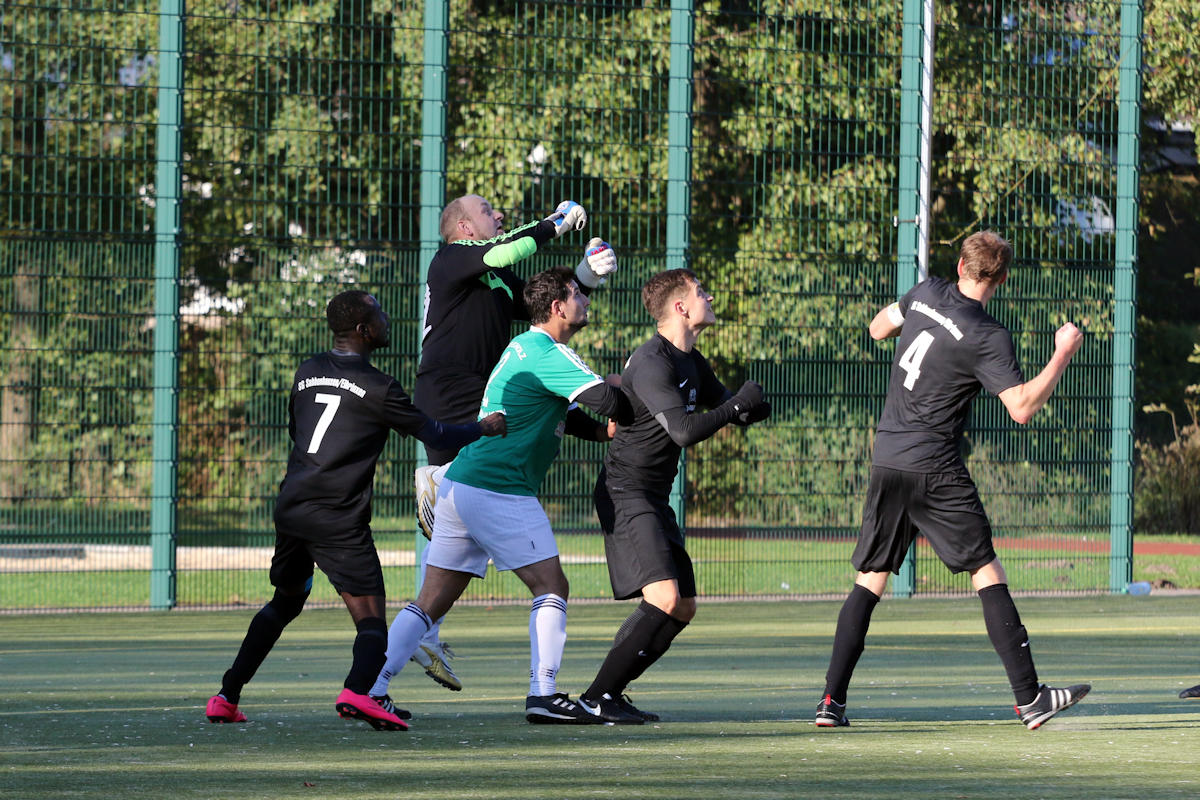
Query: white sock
[547,638]
[432,637]
[403,636]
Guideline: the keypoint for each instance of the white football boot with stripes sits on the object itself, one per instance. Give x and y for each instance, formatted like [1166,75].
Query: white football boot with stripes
[427,479]
[1049,702]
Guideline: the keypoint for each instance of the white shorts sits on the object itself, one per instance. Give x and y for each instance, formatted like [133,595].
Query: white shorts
[471,524]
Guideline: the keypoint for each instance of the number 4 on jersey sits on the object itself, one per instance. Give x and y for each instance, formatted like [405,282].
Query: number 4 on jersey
[910,361]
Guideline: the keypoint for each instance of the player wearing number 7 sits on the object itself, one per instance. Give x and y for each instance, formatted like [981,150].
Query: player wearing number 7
[949,348]
[340,413]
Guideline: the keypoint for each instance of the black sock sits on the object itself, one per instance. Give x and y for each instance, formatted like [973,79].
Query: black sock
[658,645]
[370,653]
[261,636]
[634,642]
[1011,641]
[849,640]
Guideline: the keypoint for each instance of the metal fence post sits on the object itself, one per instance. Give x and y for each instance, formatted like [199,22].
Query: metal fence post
[433,179]
[679,178]
[167,186]
[912,220]
[1129,94]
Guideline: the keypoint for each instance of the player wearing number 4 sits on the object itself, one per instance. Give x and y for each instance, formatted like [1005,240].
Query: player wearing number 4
[340,412]
[949,348]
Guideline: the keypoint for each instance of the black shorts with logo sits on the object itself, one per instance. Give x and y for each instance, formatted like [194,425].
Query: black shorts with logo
[943,506]
[349,560]
[642,542]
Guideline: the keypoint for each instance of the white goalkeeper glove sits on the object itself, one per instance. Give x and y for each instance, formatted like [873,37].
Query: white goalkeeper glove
[569,216]
[599,261]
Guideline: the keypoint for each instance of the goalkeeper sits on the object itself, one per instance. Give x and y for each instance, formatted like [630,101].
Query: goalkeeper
[667,380]
[472,297]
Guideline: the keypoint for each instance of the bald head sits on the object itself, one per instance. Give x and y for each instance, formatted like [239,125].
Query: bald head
[470,217]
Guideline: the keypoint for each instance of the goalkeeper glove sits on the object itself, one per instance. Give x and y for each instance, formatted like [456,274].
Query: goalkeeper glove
[569,216]
[598,262]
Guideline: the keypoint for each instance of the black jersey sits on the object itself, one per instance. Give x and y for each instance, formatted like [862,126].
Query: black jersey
[471,300]
[664,385]
[339,414]
[948,349]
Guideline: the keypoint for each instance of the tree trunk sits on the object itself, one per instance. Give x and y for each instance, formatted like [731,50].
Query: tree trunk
[17,393]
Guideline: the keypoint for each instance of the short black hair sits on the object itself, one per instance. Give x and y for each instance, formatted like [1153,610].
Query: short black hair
[543,289]
[348,310]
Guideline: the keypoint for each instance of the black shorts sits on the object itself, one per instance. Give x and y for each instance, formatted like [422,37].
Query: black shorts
[349,561]
[944,506]
[642,542]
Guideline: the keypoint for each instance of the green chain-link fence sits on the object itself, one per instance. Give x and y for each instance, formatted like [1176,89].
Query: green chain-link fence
[256,157]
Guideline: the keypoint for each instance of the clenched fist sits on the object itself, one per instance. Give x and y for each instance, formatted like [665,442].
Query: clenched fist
[1068,339]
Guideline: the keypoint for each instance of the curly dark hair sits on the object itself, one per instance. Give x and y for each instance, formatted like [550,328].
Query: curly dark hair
[348,310]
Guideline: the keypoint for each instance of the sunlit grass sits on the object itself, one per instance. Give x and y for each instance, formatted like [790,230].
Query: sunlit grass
[111,705]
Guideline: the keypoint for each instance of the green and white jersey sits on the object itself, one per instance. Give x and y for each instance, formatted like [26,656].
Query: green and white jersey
[533,383]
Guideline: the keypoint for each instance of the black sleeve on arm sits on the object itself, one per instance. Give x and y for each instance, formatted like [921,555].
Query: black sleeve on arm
[581,425]
[404,417]
[608,402]
[688,429]
[713,393]
[459,261]
[655,382]
[464,260]
[542,232]
[440,436]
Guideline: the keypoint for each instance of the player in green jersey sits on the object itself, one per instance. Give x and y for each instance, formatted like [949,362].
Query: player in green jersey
[487,503]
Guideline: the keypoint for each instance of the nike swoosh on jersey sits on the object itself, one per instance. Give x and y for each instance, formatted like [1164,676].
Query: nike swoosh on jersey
[683,383]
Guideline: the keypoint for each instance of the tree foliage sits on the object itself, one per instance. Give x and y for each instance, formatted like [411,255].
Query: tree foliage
[301,142]
[1171,88]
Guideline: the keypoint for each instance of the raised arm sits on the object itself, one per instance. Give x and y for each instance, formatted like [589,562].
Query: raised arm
[1026,399]
[519,244]
[887,323]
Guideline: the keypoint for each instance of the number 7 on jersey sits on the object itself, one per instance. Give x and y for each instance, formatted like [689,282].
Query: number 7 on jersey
[331,403]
